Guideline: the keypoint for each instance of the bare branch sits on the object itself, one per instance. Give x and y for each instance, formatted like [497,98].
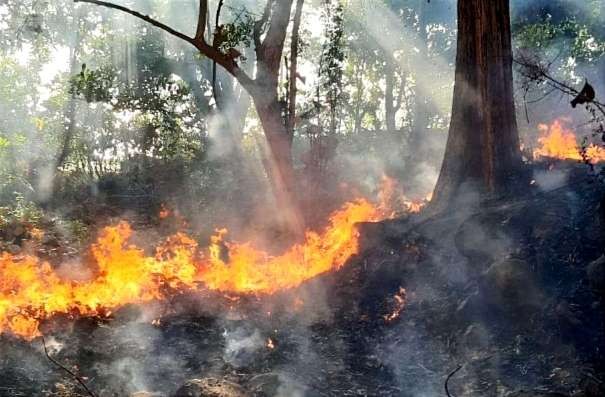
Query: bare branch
[145,18]
[447,380]
[537,72]
[64,368]
[198,42]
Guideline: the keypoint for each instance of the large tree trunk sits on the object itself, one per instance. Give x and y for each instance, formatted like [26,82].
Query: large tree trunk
[482,151]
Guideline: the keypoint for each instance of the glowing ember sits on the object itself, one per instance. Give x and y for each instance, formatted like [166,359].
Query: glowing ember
[399,300]
[164,212]
[558,142]
[31,291]
[270,345]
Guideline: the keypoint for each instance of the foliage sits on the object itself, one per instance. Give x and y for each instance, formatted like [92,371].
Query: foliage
[568,35]
[94,85]
[237,33]
[131,98]
[22,211]
[332,58]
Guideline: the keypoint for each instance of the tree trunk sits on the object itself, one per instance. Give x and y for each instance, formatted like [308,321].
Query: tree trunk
[419,144]
[279,165]
[265,99]
[389,97]
[69,113]
[482,150]
[417,140]
[292,88]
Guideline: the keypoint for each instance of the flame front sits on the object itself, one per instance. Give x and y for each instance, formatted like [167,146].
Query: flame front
[391,195]
[31,291]
[556,141]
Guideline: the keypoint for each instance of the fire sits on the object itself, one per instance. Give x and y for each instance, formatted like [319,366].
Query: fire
[249,270]
[31,291]
[164,212]
[559,142]
[391,196]
[399,300]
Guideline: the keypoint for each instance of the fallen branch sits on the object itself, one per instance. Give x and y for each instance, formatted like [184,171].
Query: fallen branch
[447,380]
[64,368]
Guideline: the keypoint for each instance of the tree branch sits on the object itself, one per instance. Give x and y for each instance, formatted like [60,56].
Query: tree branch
[447,380]
[535,71]
[198,42]
[145,18]
[64,368]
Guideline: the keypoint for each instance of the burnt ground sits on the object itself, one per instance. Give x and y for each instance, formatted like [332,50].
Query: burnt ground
[512,292]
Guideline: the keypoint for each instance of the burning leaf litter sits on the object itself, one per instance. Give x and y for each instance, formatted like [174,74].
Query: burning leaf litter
[31,291]
[559,142]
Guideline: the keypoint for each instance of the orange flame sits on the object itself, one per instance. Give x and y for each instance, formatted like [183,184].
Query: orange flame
[164,212]
[399,300]
[31,291]
[391,196]
[559,142]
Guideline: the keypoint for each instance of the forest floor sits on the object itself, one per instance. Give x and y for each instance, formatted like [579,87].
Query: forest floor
[511,294]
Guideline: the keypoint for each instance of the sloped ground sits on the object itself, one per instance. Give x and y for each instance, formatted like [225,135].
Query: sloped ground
[506,291]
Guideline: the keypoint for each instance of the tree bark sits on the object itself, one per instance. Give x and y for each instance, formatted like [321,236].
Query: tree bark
[482,150]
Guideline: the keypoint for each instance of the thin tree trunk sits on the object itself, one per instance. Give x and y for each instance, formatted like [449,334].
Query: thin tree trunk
[417,140]
[292,89]
[358,115]
[482,150]
[389,97]
[69,114]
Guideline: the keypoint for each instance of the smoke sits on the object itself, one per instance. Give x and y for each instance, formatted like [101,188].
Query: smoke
[241,346]
[550,179]
[289,387]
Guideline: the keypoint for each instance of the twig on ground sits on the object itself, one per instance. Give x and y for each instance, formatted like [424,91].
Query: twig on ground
[64,368]
[447,390]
